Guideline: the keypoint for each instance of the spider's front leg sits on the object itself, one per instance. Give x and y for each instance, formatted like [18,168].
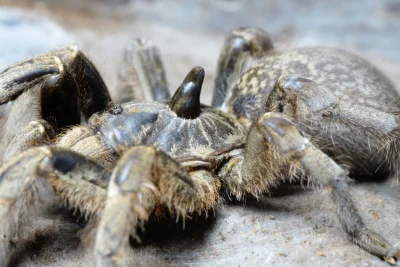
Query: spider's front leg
[56,87]
[78,182]
[144,178]
[142,76]
[276,150]
[37,133]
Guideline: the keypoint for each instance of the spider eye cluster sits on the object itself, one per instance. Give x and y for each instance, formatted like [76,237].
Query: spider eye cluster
[115,109]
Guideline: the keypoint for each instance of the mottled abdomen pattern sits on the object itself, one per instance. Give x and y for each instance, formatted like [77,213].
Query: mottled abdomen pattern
[346,75]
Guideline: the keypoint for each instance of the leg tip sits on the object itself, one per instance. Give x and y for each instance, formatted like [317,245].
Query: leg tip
[390,260]
[256,40]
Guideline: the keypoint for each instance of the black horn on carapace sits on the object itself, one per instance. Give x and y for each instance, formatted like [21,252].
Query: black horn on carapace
[186,100]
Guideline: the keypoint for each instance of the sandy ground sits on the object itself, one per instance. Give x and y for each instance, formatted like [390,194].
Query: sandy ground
[291,228]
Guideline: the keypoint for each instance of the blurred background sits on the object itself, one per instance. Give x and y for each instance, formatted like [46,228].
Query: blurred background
[191,32]
[287,230]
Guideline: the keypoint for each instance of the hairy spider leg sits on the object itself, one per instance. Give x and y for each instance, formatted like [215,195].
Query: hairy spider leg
[142,75]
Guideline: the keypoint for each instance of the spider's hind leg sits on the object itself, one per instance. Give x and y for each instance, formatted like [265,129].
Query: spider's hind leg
[143,179]
[240,45]
[142,76]
[276,150]
[57,87]
[322,171]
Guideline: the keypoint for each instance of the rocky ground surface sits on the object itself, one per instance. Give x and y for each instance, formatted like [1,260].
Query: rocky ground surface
[291,228]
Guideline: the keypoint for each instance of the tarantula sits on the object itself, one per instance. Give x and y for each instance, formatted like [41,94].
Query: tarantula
[280,115]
